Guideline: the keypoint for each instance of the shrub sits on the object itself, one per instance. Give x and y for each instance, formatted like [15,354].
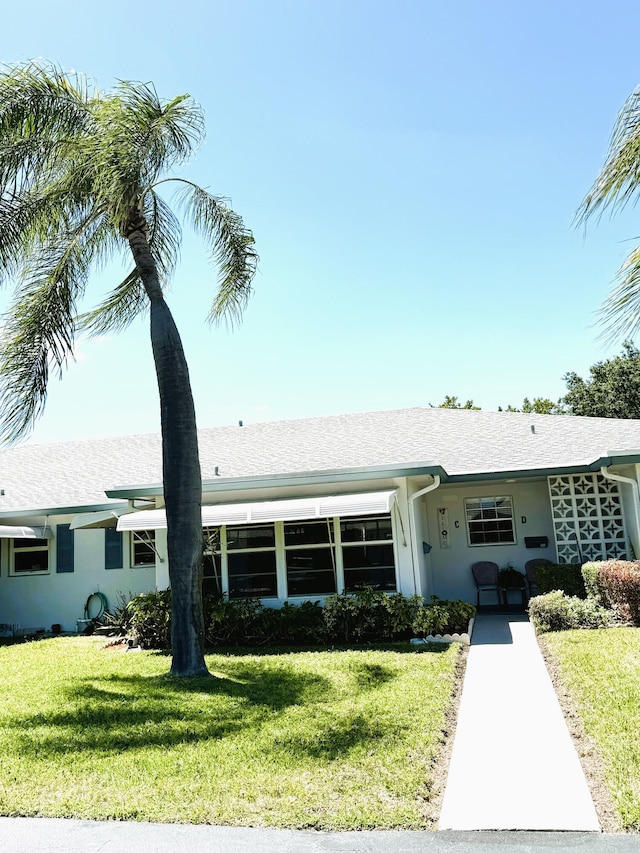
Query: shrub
[356,617]
[366,616]
[619,581]
[295,624]
[592,584]
[566,577]
[443,617]
[234,623]
[148,618]
[556,611]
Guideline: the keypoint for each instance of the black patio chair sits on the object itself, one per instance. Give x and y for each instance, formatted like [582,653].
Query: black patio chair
[485,575]
[530,574]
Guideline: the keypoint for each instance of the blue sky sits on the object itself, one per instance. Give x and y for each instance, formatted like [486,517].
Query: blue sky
[410,173]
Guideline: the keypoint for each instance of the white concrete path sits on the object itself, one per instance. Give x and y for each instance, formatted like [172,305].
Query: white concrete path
[513,764]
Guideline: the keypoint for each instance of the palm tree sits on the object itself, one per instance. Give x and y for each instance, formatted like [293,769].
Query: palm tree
[618,184]
[81,173]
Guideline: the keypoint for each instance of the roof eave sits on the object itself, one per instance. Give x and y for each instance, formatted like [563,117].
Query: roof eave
[60,510]
[301,478]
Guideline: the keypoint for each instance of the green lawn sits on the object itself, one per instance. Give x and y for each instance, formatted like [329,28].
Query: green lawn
[326,739]
[602,670]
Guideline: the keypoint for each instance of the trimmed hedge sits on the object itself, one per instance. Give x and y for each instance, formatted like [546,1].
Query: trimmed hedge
[556,611]
[566,577]
[366,616]
[619,584]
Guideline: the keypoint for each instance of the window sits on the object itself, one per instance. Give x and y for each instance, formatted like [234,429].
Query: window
[211,561]
[367,553]
[310,557]
[490,520]
[64,549]
[112,548]
[251,561]
[143,548]
[30,556]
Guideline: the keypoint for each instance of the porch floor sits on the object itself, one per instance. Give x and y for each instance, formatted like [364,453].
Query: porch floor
[513,764]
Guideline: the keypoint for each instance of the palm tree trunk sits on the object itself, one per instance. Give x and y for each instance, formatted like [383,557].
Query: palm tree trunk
[181,472]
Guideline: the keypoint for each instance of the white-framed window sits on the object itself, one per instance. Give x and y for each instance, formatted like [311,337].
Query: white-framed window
[301,559]
[367,553]
[251,561]
[211,561]
[143,548]
[310,557]
[490,520]
[29,556]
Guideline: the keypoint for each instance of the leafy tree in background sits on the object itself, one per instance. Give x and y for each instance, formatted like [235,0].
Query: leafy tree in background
[539,406]
[453,403]
[80,178]
[613,389]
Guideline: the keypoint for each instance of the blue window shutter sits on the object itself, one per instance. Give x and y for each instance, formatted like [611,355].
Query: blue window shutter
[64,548]
[112,548]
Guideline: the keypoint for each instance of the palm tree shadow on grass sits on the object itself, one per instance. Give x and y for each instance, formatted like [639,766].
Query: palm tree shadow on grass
[121,712]
[126,711]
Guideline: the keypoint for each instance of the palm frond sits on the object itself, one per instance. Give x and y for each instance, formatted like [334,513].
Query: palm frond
[115,313]
[165,235]
[620,313]
[140,137]
[41,109]
[231,246]
[619,179]
[38,333]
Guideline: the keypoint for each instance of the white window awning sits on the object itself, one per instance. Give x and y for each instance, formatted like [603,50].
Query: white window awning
[371,503]
[9,531]
[106,518]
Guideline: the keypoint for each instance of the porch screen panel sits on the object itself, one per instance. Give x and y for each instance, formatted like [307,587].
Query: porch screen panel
[587,518]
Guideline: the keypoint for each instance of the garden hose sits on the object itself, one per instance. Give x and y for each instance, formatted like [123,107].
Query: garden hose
[103,604]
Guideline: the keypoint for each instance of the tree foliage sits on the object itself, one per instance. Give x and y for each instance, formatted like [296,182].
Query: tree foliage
[612,389]
[538,406]
[453,403]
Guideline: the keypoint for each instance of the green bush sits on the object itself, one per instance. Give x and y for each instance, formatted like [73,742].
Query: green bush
[356,618]
[370,615]
[590,572]
[556,611]
[366,616]
[294,624]
[619,581]
[563,576]
[148,619]
[443,617]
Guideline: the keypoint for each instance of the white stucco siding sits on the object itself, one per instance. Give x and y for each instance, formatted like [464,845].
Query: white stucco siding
[41,600]
[451,566]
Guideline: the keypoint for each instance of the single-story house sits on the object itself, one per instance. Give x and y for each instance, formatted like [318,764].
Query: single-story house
[405,500]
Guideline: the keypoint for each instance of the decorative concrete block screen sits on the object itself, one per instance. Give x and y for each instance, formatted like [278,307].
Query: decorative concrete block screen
[587,518]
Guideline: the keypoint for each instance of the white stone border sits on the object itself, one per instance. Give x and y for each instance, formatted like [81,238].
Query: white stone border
[464,639]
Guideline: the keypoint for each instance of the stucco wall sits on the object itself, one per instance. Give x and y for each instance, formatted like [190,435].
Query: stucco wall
[38,601]
[451,567]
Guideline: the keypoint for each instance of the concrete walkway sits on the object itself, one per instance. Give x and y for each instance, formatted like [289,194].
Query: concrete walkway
[513,764]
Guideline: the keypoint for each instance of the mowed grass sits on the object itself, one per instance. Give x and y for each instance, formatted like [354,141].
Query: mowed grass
[602,671]
[335,739]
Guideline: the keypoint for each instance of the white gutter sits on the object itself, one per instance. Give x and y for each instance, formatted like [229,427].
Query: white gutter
[634,492]
[412,525]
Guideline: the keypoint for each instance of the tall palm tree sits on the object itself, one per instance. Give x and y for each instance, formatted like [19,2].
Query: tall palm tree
[618,184]
[81,173]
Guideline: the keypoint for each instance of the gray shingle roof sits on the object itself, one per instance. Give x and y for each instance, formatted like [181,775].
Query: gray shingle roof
[461,441]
